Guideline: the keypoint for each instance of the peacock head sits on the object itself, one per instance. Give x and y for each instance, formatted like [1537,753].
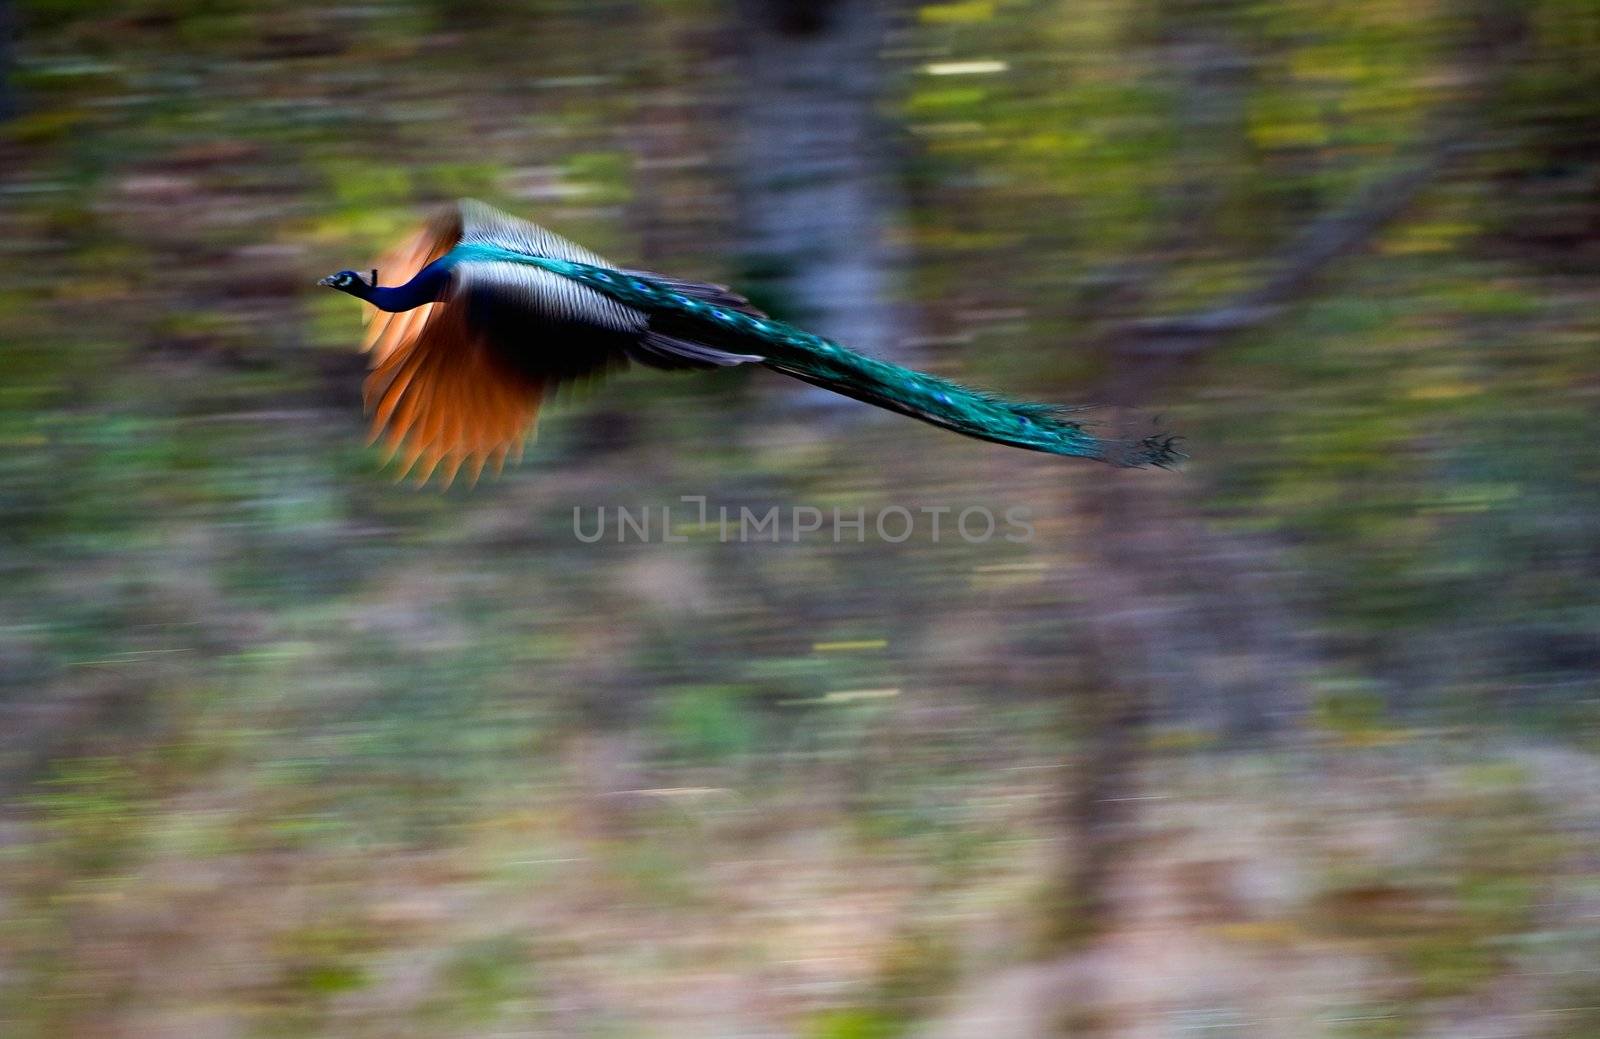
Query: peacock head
[348,281]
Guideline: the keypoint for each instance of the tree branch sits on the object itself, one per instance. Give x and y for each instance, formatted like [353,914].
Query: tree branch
[1299,265]
[1498,34]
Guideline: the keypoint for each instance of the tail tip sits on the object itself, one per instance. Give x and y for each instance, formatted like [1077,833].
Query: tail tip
[1158,450]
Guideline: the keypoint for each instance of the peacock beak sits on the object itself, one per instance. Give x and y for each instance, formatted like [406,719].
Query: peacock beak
[326,281]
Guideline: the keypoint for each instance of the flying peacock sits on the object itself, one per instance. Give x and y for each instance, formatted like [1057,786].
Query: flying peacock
[494,312]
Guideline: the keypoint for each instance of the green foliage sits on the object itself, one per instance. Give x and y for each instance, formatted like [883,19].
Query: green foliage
[708,724]
[604,177]
[1354,714]
[90,811]
[480,979]
[852,1024]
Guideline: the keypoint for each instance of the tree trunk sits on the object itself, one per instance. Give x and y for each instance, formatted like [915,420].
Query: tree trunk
[815,202]
[1189,617]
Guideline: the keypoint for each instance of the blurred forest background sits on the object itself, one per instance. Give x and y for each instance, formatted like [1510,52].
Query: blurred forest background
[1303,740]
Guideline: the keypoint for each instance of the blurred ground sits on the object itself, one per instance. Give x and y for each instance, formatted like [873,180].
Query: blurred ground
[1299,742]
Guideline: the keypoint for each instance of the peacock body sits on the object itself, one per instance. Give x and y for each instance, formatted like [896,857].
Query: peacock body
[495,312]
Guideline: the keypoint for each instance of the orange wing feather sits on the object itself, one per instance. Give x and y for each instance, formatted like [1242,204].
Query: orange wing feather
[437,394]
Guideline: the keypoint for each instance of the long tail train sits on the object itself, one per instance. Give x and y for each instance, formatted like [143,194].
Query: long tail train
[802,355]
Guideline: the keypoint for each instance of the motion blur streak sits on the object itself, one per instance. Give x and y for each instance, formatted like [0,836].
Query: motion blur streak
[1299,741]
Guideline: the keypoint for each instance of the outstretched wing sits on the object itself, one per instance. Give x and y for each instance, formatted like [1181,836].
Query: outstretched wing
[447,398]
[458,384]
[439,393]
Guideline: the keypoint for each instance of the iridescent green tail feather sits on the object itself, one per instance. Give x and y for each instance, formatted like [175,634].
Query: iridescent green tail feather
[961,409]
[709,315]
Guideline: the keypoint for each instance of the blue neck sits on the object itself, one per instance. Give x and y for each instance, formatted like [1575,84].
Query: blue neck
[429,286]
